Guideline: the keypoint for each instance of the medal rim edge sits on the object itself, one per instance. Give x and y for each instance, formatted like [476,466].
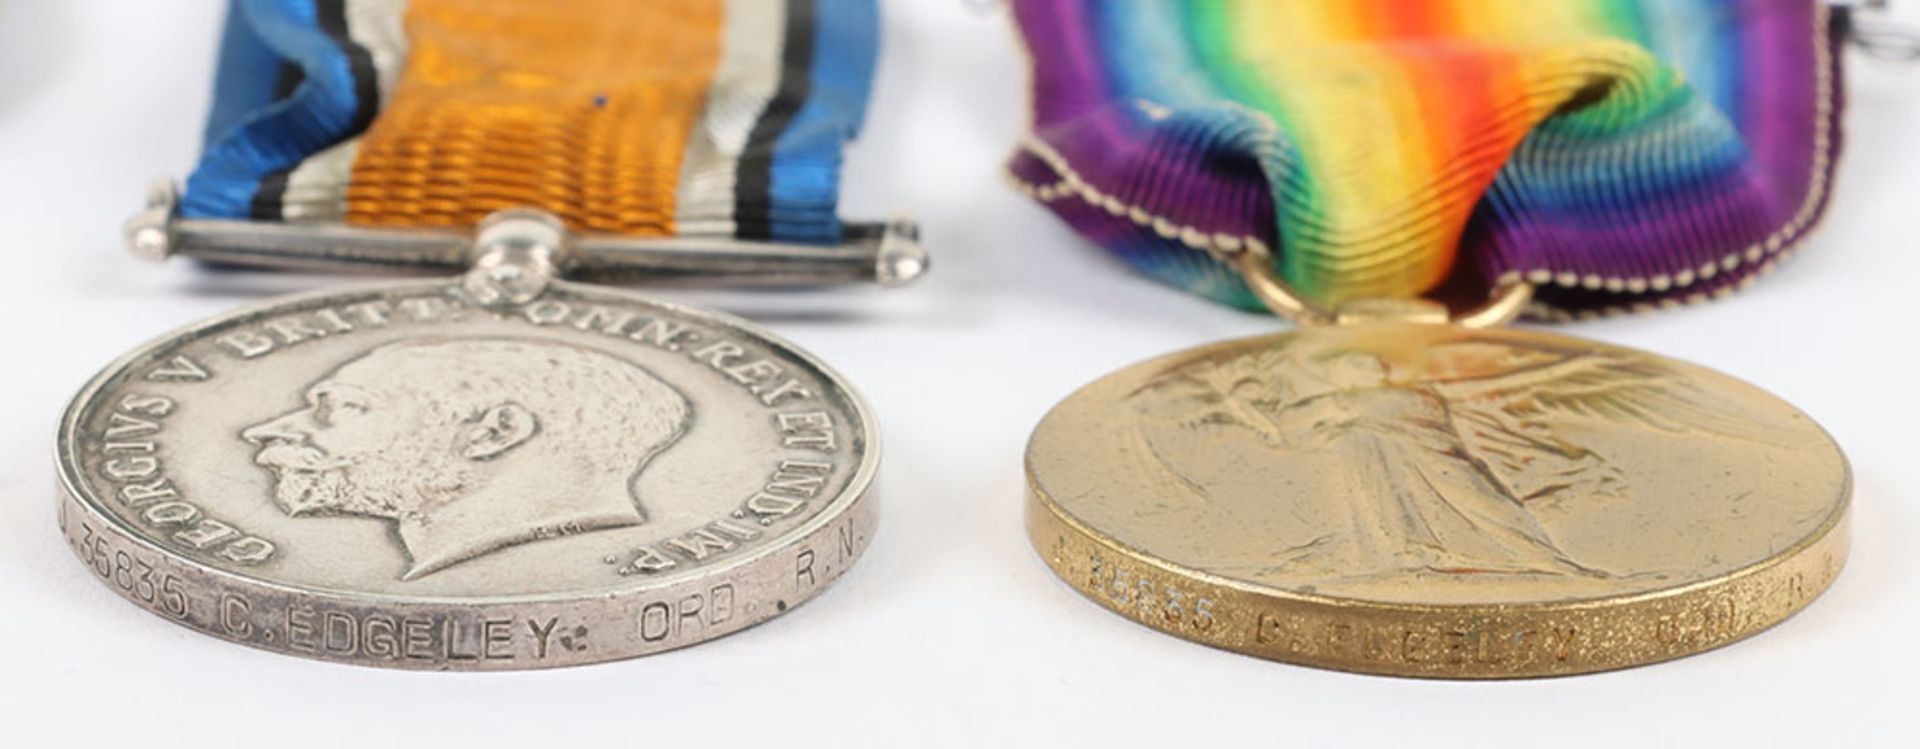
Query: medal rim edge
[1836,536]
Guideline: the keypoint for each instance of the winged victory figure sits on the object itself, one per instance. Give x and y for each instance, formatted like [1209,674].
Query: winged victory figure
[1444,448]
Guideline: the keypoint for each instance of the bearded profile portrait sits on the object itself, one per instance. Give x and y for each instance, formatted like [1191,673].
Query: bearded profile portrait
[471,446]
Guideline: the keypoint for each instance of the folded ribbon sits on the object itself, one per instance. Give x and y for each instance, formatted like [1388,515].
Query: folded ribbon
[1619,153]
[669,117]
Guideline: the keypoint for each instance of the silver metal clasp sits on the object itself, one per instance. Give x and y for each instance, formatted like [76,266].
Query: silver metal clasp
[889,254]
[515,255]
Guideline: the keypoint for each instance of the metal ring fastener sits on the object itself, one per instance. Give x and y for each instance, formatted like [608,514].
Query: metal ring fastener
[1503,306]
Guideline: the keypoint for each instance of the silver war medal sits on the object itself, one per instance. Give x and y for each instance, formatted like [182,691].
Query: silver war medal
[497,470]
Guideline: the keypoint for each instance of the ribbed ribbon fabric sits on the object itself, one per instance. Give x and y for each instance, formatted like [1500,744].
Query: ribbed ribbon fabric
[1621,154]
[660,118]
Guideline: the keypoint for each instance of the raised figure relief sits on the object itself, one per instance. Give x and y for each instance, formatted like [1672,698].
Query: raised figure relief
[1436,455]
[473,445]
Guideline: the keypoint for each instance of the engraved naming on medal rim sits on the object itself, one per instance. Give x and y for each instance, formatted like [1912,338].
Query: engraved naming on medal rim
[1436,501]
[407,476]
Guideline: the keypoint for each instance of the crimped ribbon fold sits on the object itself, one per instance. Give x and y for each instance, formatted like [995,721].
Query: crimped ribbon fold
[1620,154]
[721,118]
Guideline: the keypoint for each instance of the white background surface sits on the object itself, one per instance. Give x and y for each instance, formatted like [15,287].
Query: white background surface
[951,632]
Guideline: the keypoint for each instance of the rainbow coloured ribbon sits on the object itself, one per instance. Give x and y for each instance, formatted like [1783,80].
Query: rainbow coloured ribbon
[720,118]
[1620,154]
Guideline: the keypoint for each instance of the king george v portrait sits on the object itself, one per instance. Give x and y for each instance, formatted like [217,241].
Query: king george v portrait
[473,445]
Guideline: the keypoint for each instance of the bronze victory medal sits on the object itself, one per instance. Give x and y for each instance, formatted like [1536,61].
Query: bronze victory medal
[1429,500]
[406,476]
